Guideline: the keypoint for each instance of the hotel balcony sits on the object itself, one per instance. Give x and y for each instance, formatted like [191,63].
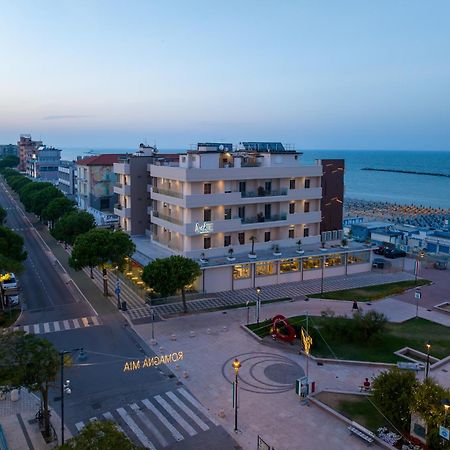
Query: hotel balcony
[261,219]
[263,193]
[167,192]
[122,189]
[120,211]
[166,218]
[121,168]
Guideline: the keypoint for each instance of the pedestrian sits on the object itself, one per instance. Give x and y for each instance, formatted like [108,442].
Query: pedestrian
[355,305]
[366,384]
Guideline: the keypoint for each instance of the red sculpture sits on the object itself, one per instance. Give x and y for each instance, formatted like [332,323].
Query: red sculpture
[278,321]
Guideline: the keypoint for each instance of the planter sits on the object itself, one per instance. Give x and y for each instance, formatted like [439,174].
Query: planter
[276,253]
[323,249]
[344,246]
[203,261]
[231,258]
[252,255]
[300,252]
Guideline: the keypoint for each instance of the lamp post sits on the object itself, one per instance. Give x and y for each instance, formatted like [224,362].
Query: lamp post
[321,278]
[236,366]
[153,323]
[247,304]
[117,290]
[446,403]
[419,256]
[65,386]
[428,345]
[258,304]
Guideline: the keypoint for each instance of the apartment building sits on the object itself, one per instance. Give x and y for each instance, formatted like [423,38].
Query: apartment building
[8,150]
[26,149]
[67,178]
[43,163]
[95,182]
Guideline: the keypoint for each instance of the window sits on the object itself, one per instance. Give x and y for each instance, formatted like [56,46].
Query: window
[241,212]
[104,203]
[289,265]
[267,210]
[291,233]
[242,186]
[207,188]
[169,235]
[358,257]
[241,271]
[307,183]
[226,241]
[206,242]
[313,262]
[306,207]
[241,238]
[268,186]
[227,215]
[291,208]
[334,260]
[207,215]
[267,236]
[292,184]
[305,232]
[265,268]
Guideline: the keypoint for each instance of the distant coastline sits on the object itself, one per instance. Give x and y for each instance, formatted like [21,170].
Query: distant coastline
[414,172]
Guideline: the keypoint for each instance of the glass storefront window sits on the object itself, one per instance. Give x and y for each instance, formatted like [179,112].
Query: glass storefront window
[312,262]
[358,257]
[265,268]
[241,271]
[334,260]
[289,265]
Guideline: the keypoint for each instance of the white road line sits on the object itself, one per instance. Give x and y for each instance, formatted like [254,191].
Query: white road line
[66,325]
[26,328]
[188,411]
[46,327]
[175,415]
[198,405]
[135,429]
[79,426]
[93,419]
[109,416]
[36,329]
[95,320]
[146,421]
[56,326]
[76,324]
[16,328]
[85,322]
[173,431]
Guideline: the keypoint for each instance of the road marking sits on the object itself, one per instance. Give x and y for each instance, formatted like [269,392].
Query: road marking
[46,327]
[109,416]
[188,411]
[175,415]
[197,404]
[76,324]
[93,419]
[56,326]
[36,329]
[95,320]
[26,328]
[85,321]
[173,431]
[135,428]
[146,421]
[66,325]
[79,426]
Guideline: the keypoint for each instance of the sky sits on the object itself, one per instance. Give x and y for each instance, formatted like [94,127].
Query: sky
[319,74]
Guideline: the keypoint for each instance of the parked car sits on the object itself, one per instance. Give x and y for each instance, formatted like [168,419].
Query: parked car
[379,250]
[10,283]
[12,300]
[394,253]
[378,263]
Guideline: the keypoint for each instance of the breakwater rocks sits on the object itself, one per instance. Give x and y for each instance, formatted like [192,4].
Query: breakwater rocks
[414,172]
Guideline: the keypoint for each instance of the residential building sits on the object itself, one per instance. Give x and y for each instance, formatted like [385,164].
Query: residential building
[9,149]
[95,182]
[67,178]
[26,149]
[43,163]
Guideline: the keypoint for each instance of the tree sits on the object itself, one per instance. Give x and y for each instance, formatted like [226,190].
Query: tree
[11,245]
[2,215]
[43,197]
[57,208]
[169,275]
[31,362]
[27,193]
[9,161]
[392,393]
[101,247]
[10,265]
[71,225]
[99,435]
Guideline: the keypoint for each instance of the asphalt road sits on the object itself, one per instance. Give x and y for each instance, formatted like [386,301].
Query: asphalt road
[150,405]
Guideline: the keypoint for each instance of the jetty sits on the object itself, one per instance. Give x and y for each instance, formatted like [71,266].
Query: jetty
[414,172]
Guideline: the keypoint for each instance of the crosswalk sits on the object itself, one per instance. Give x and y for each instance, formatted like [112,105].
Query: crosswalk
[59,325]
[160,421]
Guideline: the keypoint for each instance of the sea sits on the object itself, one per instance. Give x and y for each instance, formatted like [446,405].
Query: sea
[401,188]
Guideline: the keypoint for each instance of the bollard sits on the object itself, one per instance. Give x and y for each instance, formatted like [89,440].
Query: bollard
[173,337]
[192,334]
[15,395]
[225,328]
[177,366]
[153,342]
[208,331]
[161,349]
[221,414]
[185,374]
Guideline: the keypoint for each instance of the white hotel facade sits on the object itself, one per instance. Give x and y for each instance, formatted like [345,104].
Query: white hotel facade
[241,212]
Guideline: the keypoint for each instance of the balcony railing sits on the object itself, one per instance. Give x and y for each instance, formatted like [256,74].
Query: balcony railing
[167,218]
[118,206]
[167,192]
[263,193]
[260,219]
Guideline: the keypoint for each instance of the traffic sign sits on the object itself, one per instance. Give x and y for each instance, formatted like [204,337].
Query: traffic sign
[418,295]
[444,433]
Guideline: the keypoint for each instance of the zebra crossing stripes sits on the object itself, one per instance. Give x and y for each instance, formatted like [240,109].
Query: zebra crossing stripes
[109,416]
[145,420]
[135,429]
[61,325]
[197,404]
[188,411]
[175,415]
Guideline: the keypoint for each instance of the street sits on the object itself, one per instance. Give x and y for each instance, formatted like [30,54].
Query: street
[150,405]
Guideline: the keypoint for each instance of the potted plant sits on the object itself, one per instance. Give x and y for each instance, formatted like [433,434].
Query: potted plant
[344,243]
[276,250]
[203,258]
[322,247]
[300,250]
[230,256]
[252,254]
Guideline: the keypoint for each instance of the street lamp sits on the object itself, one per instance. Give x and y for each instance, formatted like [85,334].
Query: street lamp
[236,366]
[419,256]
[258,304]
[117,290]
[247,304]
[428,345]
[65,386]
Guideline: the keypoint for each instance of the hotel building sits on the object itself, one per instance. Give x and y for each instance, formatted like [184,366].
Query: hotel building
[26,149]
[67,178]
[43,163]
[242,212]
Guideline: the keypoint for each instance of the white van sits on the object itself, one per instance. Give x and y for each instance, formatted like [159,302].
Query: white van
[10,283]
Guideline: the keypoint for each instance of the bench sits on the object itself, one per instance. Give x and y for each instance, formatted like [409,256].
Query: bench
[361,432]
[410,366]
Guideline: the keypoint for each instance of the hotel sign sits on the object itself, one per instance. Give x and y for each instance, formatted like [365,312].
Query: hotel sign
[203,228]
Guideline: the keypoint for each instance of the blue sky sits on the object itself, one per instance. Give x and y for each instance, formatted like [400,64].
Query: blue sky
[319,74]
